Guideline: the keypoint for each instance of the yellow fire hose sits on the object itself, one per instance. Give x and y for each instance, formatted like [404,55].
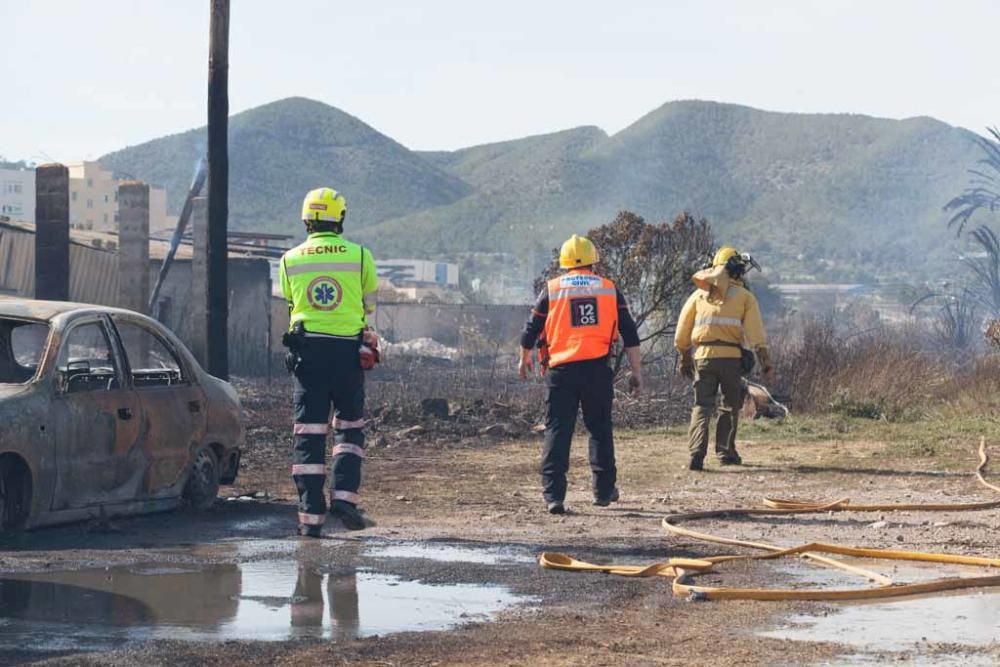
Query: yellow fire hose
[682,569]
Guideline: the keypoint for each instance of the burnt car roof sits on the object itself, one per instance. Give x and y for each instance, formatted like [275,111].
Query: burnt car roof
[46,310]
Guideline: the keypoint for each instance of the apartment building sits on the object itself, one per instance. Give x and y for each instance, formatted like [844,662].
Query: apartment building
[17,194]
[93,200]
[93,197]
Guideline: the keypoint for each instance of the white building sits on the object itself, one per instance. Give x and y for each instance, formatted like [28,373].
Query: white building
[17,194]
[418,272]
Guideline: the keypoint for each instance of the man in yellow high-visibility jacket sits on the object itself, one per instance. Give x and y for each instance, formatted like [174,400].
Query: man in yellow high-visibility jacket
[330,285]
[718,320]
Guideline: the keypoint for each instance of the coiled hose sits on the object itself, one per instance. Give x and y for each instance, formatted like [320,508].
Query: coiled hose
[681,570]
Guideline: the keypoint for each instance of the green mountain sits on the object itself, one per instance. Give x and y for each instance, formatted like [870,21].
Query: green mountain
[852,196]
[280,151]
[823,196]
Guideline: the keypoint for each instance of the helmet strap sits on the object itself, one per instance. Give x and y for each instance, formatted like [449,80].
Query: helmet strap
[318,226]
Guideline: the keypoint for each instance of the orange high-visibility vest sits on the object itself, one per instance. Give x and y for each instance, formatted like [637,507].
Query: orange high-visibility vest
[582,321]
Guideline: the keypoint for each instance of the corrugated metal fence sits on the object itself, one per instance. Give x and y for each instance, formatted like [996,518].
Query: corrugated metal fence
[93,273]
[94,279]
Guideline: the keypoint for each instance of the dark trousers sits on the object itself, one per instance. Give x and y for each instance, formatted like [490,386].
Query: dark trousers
[342,597]
[571,386]
[328,371]
[712,375]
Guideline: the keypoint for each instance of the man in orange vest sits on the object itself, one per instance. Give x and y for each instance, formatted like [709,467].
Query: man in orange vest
[581,315]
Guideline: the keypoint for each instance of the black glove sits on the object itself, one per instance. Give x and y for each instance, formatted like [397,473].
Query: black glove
[687,365]
[291,361]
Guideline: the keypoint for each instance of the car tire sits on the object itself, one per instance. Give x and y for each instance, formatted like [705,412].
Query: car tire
[202,487]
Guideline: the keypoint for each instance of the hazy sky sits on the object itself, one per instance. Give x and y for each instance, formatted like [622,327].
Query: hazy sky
[81,78]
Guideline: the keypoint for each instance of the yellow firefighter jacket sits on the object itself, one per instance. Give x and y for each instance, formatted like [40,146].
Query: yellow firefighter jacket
[721,310]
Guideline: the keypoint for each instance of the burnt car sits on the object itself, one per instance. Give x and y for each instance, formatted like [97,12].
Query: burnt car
[105,412]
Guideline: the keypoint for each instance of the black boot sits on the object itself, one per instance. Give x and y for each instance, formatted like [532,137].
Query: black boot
[310,531]
[696,463]
[604,502]
[731,460]
[556,507]
[348,514]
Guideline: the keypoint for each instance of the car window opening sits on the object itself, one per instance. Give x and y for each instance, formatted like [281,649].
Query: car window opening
[22,344]
[152,363]
[86,361]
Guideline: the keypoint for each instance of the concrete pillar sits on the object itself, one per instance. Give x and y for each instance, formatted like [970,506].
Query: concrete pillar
[133,246]
[52,232]
[199,280]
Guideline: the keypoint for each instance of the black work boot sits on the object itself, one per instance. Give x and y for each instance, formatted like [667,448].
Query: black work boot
[731,460]
[696,463]
[310,531]
[348,514]
[556,507]
[604,502]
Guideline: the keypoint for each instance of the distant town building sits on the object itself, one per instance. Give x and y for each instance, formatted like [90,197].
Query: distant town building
[399,280]
[418,272]
[886,300]
[17,194]
[93,200]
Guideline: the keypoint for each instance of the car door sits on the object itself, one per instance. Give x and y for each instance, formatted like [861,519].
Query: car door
[173,405]
[97,420]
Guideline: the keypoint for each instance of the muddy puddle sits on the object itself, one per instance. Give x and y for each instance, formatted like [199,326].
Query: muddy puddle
[451,553]
[270,599]
[968,618]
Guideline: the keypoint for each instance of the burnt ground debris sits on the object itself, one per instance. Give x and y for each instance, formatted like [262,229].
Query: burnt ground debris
[443,490]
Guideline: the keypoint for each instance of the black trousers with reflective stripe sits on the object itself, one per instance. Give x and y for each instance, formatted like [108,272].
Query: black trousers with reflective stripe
[572,386]
[328,371]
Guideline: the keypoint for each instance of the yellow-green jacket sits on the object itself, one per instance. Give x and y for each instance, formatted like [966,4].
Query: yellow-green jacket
[330,285]
[721,310]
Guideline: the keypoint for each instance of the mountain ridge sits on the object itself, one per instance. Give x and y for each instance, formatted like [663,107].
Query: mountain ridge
[829,185]
[281,150]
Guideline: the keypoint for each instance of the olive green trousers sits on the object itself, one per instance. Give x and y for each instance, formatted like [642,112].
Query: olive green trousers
[711,375]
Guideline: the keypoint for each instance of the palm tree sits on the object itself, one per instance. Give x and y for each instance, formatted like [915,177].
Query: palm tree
[983,192]
[957,321]
[987,270]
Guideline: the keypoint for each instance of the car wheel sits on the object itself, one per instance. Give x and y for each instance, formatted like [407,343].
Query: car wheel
[202,486]
[15,494]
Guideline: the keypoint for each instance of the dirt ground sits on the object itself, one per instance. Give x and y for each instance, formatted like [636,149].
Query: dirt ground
[482,490]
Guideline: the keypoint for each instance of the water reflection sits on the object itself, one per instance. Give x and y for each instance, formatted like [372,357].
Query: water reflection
[125,596]
[260,600]
[904,624]
[308,607]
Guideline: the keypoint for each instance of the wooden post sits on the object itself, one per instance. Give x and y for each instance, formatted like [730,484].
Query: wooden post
[52,232]
[218,190]
[199,280]
[133,245]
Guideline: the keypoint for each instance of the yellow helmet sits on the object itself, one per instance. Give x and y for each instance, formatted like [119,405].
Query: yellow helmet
[324,205]
[578,251]
[725,254]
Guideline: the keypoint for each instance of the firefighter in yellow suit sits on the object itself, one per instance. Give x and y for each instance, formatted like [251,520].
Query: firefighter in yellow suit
[718,321]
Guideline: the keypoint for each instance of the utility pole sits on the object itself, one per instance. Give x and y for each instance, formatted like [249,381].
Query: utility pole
[52,232]
[218,190]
